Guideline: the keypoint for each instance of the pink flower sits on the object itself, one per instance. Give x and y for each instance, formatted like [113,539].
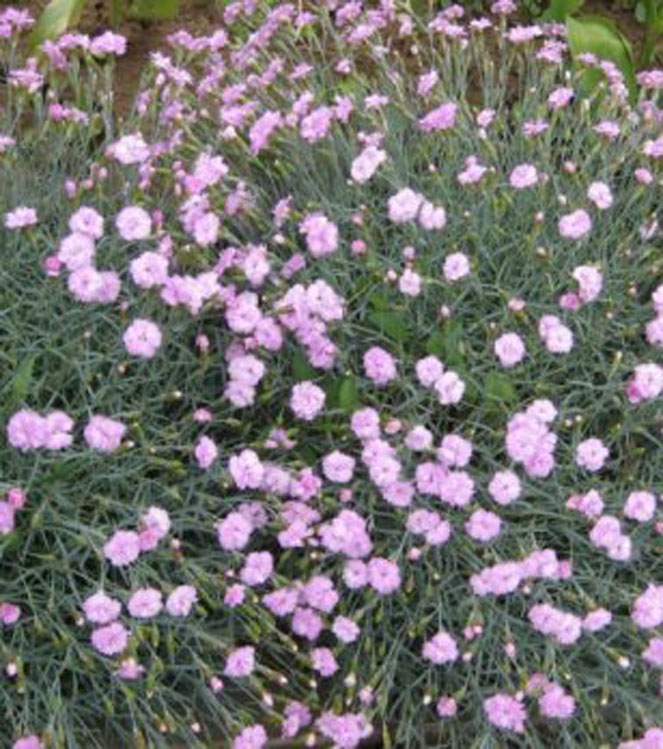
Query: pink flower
[149,269]
[441,118]
[307,400]
[205,452]
[142,338]
[560,97]
[180,600]
[504,487]
[653,654]
[510,349]
[590,280]
[441,649]
[206,229]
[321,234]
[122,548]
[505,712]
[345,629]
[28,742]
[432,217]
[599,193]
[338,467]
[483,525]
[323,662]
[240,662]
[87,221]
[111,639]
[27,430]
[108,43]
[429,370]
[379,365]
[596,620]
[9,613]
[101,609]
[456,266]
[591,454]
[130,149]
[640,506]
[383,575]
[419,438]
[130,669]
[104,434]
[575,225]
[523,176]
[449,388]
[446,707]
[20,218]
[409,283]
[367,163]
[252,737]
[76,251]
[6,518]
[145,603]
[246,469]
[404,206]
[133,223]
[556,703]
[558,339]
[257,568]
[234,532]
[563,627]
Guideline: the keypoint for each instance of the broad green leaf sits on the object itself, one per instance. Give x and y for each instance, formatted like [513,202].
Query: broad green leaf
[641,11]
[348,395]
[600,37]
[447,343]
[379,300]
[499,389]
[23,378]
[55,19]
[560,9]
[392,324]
[154,10]
[301,367]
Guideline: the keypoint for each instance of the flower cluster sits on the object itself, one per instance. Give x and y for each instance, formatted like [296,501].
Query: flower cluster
[368,337]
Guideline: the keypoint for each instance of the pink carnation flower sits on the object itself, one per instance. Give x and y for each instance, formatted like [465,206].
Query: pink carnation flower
[379,365]
[133,223]
[575,225]
[145,603]
[122,548]
[111,639]
[104,434]
[307,400]
[142,338]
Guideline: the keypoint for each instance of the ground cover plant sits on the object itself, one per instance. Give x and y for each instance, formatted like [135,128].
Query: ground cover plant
[331,388]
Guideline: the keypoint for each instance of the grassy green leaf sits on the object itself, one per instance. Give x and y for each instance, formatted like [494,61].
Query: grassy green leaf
[55,19]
